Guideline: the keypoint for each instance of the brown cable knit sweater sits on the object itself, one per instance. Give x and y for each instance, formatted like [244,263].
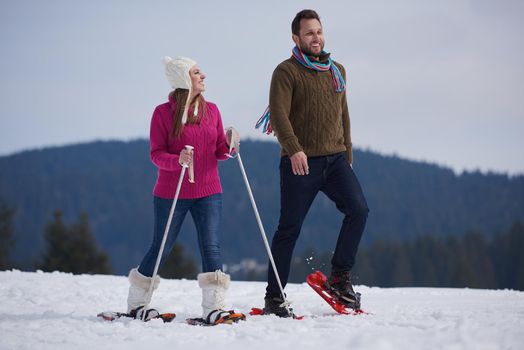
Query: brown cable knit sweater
[306,113]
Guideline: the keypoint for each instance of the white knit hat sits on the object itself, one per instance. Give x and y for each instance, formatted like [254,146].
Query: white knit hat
[177,72]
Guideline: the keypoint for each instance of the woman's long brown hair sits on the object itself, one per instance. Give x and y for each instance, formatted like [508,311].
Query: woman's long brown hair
[180,97]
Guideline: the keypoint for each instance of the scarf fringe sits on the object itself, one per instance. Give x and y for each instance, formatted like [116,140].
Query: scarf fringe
[264,122]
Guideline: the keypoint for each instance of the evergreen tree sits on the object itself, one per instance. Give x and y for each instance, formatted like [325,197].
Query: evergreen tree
[401,274]
[6,234]
[385,265]
[178,264]
[83,252]
[479,260]
[517,237]
[56,256]
[462,273]
[425,256]
[72,249]
[364,273]
[508,259]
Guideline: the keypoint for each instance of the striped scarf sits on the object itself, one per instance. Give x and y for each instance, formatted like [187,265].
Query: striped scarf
[338,82]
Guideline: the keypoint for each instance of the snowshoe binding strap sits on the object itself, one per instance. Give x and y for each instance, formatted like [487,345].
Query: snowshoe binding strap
[351,300]
[150,313]
[216,317]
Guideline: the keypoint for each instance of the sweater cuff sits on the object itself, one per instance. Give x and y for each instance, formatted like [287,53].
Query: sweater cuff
[293,147]
[349,155]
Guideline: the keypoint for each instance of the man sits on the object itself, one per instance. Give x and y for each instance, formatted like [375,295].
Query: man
[308,111]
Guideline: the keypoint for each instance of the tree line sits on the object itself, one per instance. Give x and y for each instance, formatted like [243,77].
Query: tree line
[407,200]
[471,260]
[73,248]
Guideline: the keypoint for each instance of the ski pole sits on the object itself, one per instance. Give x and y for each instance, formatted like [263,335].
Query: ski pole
[262,232]
[166,231]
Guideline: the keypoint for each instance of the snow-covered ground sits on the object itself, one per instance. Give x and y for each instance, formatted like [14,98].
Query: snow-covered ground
[58,311]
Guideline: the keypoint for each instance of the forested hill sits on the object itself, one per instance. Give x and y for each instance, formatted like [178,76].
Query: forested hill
[112,183]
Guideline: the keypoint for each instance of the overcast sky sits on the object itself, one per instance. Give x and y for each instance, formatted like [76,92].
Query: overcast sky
[440,81]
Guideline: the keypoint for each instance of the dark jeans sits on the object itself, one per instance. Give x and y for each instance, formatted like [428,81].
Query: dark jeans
[206,213]
[334,176]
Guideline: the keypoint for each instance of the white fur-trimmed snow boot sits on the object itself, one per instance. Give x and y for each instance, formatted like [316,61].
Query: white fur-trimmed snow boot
[137,297]
[214,287]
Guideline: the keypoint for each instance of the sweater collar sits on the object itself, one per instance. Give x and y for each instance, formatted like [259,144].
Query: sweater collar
[322,58]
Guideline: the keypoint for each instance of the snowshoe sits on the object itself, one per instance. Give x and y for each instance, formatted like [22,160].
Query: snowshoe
[151,314]
[213,319]
[318,281]
[256,311]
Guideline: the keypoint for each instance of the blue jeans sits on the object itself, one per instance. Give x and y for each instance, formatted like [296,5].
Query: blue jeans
[207,215]
[334,176]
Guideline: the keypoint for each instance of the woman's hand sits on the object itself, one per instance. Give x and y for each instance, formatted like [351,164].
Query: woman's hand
[232,139]
[186,157]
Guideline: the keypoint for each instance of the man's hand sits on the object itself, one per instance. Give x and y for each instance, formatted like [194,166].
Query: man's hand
[299,163]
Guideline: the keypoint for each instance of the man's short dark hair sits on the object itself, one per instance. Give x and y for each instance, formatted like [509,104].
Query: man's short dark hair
[304,14]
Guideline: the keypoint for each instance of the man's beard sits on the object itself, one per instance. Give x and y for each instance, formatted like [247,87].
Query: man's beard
[308,52]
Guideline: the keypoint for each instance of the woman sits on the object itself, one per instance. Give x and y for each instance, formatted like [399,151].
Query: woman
[186,119]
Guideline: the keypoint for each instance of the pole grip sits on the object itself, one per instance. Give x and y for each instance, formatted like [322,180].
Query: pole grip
[191,172]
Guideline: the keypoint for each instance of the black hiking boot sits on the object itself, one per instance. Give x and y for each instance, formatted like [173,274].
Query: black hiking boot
[275,305]
[339,284]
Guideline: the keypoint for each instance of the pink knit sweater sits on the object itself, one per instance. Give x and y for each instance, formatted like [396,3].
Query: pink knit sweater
[209,142]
